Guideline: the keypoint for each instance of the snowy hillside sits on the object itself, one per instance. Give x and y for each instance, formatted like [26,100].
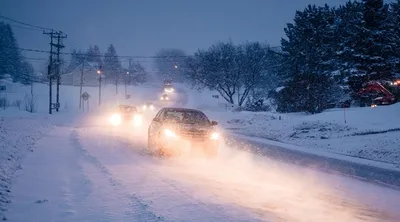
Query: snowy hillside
[371,133]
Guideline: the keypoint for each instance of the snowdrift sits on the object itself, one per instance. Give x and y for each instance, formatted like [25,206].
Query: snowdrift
[370,133]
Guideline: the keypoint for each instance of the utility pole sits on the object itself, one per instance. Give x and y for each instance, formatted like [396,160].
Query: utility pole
[54,64]
[59,46]
[50,69]
[80,90]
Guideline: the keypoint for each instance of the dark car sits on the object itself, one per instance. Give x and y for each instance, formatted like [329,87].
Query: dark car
[126,114]
[180,130]
[148,106]
[164,97]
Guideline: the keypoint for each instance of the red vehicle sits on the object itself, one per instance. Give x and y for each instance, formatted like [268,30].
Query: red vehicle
[381,95]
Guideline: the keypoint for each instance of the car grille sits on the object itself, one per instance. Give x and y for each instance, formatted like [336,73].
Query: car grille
[194,134]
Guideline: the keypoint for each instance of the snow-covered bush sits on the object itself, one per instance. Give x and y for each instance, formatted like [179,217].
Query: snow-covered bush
[257,105]
[308,93]
[4,103]
[30,103]
[17,103]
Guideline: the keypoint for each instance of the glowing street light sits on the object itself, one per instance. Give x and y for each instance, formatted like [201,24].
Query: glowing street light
[176,66]
[99,72]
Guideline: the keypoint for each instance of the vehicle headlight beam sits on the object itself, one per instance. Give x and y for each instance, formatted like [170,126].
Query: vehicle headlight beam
[116,119]
[214,136]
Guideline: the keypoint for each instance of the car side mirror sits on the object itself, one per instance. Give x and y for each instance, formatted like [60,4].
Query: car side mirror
[214,123]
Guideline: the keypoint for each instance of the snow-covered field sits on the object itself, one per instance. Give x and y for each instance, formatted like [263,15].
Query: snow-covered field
[82,169]
[370,133]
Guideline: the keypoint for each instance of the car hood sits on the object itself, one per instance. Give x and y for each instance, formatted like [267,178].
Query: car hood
[189,127]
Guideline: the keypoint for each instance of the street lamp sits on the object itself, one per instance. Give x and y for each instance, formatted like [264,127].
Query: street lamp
[127,73]
[176,66]
[99,72]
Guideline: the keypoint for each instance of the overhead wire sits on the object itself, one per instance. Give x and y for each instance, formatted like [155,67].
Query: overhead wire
[24,23]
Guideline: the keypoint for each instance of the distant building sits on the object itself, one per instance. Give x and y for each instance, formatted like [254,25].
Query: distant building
[90,76]
[6,84]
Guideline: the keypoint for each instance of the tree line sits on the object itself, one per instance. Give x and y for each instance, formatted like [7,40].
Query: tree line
[12,62]
[109,63]
[327,55]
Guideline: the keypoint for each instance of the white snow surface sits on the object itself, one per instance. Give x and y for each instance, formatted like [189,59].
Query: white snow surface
[367,133]
[82,169]
[98,173]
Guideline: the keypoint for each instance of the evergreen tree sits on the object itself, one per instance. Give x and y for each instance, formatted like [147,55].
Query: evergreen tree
[137,73]
[308,44]
[394,23]
[308,93]
[112,66]
[77,57]
[94,55]
[377,42]
[10,57]
[27,74]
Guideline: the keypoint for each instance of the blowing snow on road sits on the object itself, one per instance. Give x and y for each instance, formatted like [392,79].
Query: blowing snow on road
[88,171]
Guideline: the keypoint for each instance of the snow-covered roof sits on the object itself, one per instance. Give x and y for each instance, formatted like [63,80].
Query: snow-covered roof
[279,89]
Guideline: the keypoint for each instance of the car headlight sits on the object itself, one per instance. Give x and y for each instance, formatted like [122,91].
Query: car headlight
[170,133]
[152,107]
[144,107]
[162,98]
[214,136]
[115,119]
[166,98]
[137,119]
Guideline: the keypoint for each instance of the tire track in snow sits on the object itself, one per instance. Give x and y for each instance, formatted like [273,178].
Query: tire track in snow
[143,213]
[169,197]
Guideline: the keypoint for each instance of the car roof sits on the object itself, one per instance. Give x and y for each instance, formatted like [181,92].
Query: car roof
[181,109]
[125,106]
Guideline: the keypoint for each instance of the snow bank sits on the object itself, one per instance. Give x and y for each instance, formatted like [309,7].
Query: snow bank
[369,133]
[19,130]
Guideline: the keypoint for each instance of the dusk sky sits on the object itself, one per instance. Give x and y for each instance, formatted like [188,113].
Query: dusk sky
[143,27]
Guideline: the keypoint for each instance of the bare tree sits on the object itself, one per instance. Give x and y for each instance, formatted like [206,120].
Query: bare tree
[229,69]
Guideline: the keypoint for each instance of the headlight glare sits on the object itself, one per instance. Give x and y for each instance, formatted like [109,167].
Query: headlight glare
[214,136]
[170,133]
[115,119]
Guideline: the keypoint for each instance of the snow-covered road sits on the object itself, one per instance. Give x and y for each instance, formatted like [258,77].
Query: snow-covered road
[87,171]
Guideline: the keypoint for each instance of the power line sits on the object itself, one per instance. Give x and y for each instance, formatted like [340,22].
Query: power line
[24,23]
[103,56]
[26,28]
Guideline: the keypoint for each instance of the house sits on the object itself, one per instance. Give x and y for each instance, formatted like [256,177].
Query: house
[6,84]
[90,75]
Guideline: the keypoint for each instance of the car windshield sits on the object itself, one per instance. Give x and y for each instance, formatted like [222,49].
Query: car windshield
[185,116]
